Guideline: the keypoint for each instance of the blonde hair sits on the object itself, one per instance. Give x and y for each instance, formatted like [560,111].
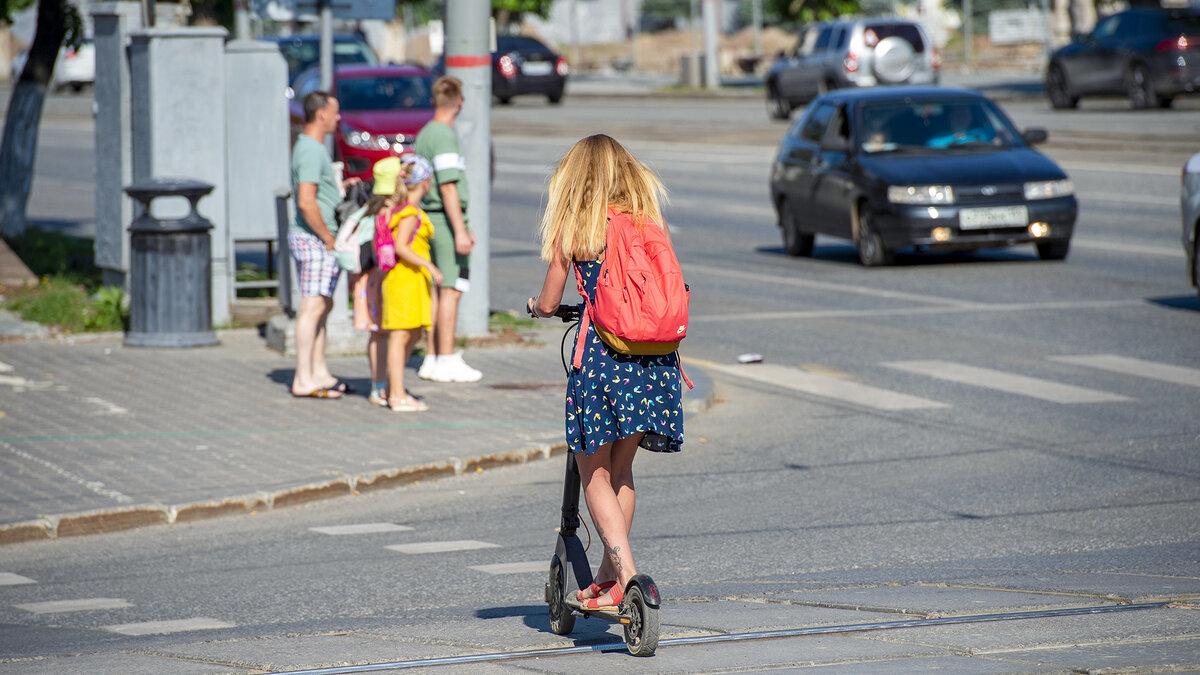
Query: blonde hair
[446,92]
[596,173]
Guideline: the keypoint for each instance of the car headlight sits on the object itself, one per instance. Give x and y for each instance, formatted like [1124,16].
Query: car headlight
[1048,189]
[369,141]
[920,194]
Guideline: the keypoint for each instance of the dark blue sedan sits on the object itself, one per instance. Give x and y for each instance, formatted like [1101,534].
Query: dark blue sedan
[931,167]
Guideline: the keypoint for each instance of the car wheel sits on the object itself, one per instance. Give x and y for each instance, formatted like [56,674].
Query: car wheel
[871,251]
[777,107]
[1140,86]
[1053,250]
[504,100]
[555,97]
[795,242]
[1058,91]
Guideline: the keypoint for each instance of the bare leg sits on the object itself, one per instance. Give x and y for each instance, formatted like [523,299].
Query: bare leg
[447,319]
[377,355]
[309,333]
[320,369]
[607,477]
[399,348]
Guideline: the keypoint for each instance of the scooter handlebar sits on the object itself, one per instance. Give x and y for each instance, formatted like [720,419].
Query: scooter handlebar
[567,313]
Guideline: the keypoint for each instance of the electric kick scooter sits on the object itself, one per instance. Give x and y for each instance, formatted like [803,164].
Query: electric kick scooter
[570,570]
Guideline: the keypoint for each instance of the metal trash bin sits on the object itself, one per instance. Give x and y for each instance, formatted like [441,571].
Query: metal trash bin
[170,284]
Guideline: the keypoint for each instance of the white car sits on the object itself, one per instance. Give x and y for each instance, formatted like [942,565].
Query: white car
[1189,197]
[75,67]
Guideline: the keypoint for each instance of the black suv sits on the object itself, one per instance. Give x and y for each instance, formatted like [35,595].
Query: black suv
[1150,55]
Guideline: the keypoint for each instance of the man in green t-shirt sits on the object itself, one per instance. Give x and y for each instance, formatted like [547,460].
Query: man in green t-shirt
[452,240]
[311,240]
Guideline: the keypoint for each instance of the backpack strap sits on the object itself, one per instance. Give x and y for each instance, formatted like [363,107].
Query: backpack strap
[585,317]
[686,379]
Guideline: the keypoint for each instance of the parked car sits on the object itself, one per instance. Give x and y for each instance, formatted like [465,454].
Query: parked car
[1150,55]
[850,53]
[523,65]
[74,68]
[382,108]
[303,51]
[1190,200]
[932,167]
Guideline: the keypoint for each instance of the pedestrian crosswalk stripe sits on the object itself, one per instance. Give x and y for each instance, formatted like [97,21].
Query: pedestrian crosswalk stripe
[163,627]
[360,528]
[10,579]
[1125,365]
[1001,381]
[514,568]
[441,546]
[829,387]
[80,605]
[5,368]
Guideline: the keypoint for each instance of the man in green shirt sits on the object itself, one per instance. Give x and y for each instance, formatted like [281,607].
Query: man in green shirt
[311,240]
[452,240]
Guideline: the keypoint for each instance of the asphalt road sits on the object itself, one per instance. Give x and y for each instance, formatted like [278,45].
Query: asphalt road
[957,434]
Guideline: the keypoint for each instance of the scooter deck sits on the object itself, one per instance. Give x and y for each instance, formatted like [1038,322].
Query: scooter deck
[608,613]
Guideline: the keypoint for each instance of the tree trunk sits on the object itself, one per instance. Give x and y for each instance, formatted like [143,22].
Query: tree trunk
[24,115]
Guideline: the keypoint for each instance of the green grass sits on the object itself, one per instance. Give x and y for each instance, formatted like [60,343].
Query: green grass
[499,322]
[70,295]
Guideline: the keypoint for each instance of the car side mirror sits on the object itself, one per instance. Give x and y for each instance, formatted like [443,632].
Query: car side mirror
[835,144]
[1034,135]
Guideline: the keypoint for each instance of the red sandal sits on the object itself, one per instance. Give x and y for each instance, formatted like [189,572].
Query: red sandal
[615,593]
[596,590]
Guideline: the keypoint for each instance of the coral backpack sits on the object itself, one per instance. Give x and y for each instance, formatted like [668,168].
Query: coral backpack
[641,303]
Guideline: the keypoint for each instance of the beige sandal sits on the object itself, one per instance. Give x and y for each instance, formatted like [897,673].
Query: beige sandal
[407,404]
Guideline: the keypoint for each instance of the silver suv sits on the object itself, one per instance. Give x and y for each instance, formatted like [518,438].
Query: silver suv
[850,53]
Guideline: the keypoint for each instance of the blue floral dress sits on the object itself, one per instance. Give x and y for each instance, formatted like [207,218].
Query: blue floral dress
[614,396]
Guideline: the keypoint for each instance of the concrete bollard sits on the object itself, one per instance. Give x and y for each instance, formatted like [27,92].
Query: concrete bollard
[170,284]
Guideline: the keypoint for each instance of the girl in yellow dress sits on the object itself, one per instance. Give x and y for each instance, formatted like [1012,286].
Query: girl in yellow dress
[408,303]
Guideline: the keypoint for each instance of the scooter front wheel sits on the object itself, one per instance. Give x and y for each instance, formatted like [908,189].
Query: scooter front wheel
[562,621]
[641,633]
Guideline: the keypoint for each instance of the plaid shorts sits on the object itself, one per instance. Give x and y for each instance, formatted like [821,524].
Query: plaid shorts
[316,266]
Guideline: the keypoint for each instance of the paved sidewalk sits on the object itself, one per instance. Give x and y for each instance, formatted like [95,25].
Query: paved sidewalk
[98,437]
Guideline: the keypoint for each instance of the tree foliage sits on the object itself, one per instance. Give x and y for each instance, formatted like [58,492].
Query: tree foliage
[805,11]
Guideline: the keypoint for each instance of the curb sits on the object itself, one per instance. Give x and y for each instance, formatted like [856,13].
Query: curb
[143,515]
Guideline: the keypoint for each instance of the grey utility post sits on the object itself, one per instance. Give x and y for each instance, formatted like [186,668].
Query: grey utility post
[177,105]
[114,210]
[256,113]
[469,58]
[712,67]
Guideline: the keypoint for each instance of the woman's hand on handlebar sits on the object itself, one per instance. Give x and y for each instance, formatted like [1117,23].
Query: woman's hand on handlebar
[531,307]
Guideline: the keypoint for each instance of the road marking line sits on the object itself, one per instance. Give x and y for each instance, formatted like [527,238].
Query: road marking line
[777,280]
[1144,169]
[513,568]
[829,387]
[11,579]
[361,528]
[1122,247]
[1137,367]
[162,627]
[110,408]
[1144,200]
[1006,382]
[5,368]
[441,546]
[911,311]
[80,605]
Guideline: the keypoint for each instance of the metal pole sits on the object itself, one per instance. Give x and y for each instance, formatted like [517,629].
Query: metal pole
[756,21]
[148,13]
[712,71]
[968,34]
[468,57]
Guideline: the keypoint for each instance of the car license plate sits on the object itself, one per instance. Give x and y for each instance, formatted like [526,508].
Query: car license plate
[993,216]
[537,68]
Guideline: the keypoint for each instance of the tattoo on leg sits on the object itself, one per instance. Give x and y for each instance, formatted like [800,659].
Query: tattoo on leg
[614,553]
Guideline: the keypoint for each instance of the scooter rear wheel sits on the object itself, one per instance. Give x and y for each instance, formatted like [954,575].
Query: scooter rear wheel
[562,621]
[641,633]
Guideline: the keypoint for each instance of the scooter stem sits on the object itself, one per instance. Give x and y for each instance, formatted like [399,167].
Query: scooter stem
[570,503]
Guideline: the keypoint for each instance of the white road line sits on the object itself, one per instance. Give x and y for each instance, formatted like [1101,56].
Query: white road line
[5,368]
[440,546]
[777,280]
[11,579]
[1123,247]
[1143,200]
[80,605]
[1137,367]
[793,315]
[513,568]
[109,408]
[361,528]
[828,387]
[1142,169]
[1001,381]
[163,627]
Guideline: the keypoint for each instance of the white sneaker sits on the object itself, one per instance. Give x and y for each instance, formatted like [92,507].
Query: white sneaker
[425,372]
[452,368]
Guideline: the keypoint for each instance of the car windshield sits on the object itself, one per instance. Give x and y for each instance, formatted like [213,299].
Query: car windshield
[933,126]
[304,54]
[385,93]
[517,43]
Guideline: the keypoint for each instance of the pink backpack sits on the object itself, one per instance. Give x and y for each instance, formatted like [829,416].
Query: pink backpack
[641,302]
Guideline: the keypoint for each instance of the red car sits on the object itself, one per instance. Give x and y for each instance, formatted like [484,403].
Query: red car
[382,107]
